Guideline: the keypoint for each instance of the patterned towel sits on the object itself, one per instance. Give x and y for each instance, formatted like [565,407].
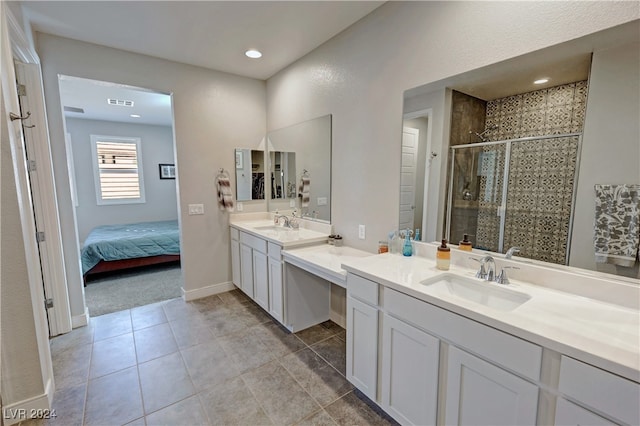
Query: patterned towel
[225,197]
[305,183]
[617,221]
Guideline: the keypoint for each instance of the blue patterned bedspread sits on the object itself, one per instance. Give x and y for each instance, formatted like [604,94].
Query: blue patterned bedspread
[117,242]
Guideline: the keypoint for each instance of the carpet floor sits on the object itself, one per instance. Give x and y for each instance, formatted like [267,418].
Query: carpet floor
[127,289]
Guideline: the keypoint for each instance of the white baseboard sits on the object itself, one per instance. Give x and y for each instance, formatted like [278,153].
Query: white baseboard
[37,406]
[207,291]
[338,319]
[80,320]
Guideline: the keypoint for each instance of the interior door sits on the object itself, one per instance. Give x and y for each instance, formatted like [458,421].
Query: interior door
[410,139]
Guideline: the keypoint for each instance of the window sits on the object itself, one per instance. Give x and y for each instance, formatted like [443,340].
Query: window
[117,169]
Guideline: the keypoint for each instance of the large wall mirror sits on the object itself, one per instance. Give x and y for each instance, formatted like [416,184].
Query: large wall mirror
[513,163]
[250,174]
[300,165]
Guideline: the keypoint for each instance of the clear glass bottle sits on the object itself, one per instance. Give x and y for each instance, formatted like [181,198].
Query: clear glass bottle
[407,248]
[443,256]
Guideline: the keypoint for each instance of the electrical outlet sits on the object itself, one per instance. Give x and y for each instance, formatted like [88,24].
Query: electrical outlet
[361,232]
[322,201]
[195,209]
[239,207]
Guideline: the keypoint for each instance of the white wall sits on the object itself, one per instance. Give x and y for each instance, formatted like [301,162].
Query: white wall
[610,144]
[214,112]
[160,194]
[360,75]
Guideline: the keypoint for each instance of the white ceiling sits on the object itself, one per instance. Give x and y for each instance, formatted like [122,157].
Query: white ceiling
[211,34]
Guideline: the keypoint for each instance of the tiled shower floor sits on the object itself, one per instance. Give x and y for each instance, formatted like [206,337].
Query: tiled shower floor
[218,360]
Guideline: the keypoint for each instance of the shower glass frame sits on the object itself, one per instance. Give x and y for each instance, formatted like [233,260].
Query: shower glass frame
[505,187]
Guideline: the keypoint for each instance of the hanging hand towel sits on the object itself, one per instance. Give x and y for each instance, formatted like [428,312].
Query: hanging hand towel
[617,221]
[225,197]
[305,183]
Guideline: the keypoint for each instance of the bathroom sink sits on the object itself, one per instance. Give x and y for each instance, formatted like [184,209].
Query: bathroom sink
[272,228]
[484,293]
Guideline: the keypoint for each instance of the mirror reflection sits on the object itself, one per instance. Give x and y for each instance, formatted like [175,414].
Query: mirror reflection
[513,163]
[283,174]
[303,152]
[250,170]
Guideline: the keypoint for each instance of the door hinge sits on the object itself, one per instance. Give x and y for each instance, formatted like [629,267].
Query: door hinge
[32,165]
[48,303]
[22,90]
[40,236]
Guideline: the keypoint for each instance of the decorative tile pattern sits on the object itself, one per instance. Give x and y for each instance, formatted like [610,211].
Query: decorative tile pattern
[555,110]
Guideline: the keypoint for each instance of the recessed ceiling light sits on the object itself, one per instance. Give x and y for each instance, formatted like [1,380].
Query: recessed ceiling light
[134,116]
[253,54]
[541,81]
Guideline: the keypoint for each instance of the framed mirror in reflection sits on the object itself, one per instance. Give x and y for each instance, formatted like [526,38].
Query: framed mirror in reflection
[300,164]
[250,174]
[282,166]
[516,162]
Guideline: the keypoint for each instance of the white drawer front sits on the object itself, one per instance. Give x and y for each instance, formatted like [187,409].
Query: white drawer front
[605,392]
[363,289]
[253,242]
[235,234]
[274,251]
[501,348]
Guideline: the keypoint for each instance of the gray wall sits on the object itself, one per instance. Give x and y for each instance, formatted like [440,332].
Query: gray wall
[160,194]
[214,112]
[610,144]
[360,75]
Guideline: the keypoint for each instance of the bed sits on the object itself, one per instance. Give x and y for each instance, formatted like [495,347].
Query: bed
[116,247]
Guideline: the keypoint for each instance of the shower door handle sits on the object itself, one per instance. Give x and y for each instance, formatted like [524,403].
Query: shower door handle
[501,211]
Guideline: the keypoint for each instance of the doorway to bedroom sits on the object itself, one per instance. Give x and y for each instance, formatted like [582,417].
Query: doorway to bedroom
[121,164]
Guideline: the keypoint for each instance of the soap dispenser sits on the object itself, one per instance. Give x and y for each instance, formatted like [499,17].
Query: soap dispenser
[407,249]
[443,256]
[465,244]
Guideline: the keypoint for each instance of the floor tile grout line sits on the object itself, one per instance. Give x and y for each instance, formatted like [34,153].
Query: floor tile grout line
[302,387]
[266,413]
[86,387]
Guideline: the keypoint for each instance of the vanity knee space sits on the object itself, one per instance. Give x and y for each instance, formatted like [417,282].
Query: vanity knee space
[426,365]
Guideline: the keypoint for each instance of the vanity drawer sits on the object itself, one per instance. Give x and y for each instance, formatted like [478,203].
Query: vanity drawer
[612,395]
[363,289]
[253,242]
[235,234]
[274,251]
[503,349]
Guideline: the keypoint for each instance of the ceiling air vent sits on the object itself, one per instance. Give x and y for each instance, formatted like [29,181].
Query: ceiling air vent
[73,109]
[120,102]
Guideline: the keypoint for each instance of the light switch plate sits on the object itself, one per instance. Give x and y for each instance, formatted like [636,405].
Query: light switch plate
[322,201]
[195,209]
[239,207]
[361,232]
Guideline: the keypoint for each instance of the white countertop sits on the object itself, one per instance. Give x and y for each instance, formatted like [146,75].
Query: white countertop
[598,333]
[282,236]
[324,260]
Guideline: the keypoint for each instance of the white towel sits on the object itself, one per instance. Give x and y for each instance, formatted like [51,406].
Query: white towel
[225,196]
[617,221]
[305,183]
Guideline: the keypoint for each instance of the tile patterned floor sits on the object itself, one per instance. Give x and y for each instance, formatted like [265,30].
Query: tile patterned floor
[215,361]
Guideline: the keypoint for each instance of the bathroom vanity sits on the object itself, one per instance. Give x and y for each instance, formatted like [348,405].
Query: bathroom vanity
[288,272]
[434,347]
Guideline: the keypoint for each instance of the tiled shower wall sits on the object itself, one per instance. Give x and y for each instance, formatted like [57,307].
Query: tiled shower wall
[540,185]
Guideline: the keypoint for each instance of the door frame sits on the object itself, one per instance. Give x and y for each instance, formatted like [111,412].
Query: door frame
[428,113]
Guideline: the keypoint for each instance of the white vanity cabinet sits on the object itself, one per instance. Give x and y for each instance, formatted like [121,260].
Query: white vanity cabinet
[409,382]
[480,393]
[362,334]
[253,268]
[598,395]
[276,285]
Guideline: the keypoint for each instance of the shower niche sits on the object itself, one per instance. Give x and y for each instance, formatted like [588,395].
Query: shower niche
[512,171]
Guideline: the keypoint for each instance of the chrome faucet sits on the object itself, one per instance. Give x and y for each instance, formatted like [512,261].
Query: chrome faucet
[511,251]
[289,222]
[484,273]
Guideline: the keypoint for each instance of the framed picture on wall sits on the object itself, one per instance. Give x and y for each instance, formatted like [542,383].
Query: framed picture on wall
[239,162]
[167,171]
